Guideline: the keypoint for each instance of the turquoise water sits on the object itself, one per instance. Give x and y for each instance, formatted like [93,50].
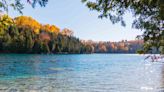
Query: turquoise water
[80,73]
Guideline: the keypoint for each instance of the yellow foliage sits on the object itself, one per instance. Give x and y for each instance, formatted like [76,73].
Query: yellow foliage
[5,21]
[28,22]
[55,29]
[25,21]
[37,31]
[50,28]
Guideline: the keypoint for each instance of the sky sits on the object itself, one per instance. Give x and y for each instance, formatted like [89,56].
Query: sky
[74,15]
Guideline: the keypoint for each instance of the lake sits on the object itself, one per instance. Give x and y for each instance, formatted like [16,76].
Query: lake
[80,73]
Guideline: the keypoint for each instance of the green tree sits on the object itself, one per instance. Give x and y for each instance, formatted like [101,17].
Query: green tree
[5,23]
[37,48]
[45,49]
[149,16]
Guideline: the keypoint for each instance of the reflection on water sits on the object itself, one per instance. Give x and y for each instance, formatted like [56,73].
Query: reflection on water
[80,73]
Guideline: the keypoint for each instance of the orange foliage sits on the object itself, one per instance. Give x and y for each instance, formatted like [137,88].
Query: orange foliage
[50,28]
[29,22]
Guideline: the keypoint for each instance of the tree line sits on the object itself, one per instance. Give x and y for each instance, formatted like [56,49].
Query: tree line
[124,46]
[148,16]
[24,34]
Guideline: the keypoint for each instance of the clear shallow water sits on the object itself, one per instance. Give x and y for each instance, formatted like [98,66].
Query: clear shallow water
[80,73]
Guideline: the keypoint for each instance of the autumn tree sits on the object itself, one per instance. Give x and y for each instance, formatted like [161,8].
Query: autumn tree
[67,32]
[50,28]
[27,22]
[5,22]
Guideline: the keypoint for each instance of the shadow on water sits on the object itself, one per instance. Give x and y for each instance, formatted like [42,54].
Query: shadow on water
[15,66]
[24,65]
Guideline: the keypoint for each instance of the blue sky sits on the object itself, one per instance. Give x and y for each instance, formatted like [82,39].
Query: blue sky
[76,16]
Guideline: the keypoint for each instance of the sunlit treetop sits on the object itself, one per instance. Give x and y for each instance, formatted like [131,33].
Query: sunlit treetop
[50,28]
[5,22]
[25,21]
[67,32]
[30,23]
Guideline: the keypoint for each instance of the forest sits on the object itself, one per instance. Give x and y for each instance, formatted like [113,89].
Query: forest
[24,34]
[124,46]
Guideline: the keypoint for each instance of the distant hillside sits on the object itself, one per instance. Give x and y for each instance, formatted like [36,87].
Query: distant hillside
[115,47]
